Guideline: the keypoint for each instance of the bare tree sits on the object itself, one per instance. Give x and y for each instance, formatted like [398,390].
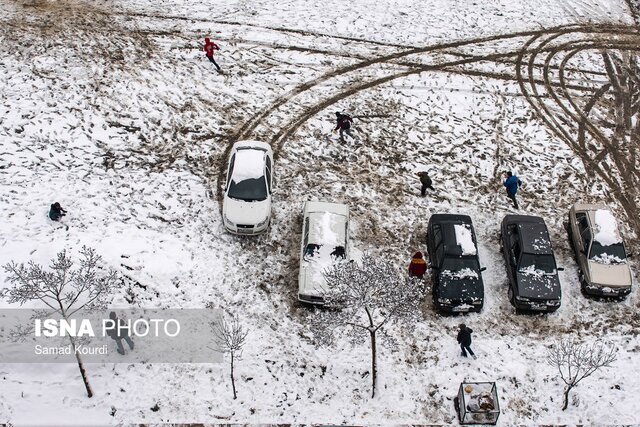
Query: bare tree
[363,299]
[230,337]
[576,361]
[63,289]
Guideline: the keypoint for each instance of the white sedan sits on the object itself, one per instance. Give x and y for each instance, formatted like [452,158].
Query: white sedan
[325,237]
[246,207]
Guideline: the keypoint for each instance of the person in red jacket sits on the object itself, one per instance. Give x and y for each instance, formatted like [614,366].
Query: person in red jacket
[417,266]
[209,47]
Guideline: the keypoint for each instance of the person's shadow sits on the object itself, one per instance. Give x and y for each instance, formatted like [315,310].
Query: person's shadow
[118,333]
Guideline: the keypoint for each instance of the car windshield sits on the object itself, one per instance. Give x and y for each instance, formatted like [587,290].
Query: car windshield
[460,268]
[249,190]
[607,254]
[533,264]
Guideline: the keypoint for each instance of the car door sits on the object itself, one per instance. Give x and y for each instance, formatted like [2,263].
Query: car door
[513,252]
[232,162]
[583,240]
[305,238]
[268,174]
[436,255]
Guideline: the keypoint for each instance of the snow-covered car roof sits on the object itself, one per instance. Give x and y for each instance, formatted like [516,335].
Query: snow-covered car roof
[605,227]
[457,234]
[249,164]
[464,239]
[327,228]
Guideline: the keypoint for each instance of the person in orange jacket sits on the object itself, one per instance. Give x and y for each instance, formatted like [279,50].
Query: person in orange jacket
[417,266]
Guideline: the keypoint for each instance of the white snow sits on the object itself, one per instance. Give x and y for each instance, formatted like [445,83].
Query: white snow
[112,110]
[607,259]
[249,164]
[464,239]
[324,229]
[531,270]
[460,274]
[607,228]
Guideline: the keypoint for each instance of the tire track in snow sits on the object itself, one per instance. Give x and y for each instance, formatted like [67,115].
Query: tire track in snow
[245,130]
[572,123]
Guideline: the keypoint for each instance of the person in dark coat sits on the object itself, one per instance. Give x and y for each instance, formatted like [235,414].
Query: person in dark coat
[118,333]
[511,184]
[426,182]
[417,266]
[343,123]
[464,339]
[56,212]
[209,47]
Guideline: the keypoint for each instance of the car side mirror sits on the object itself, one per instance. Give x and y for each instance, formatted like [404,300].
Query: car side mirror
[560,268]
[513,260]
[483,269]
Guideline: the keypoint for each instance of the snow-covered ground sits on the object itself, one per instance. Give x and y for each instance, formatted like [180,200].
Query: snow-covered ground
[111,109]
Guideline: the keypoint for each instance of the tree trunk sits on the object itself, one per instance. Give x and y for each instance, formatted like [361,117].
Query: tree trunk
[566,397]
[374,365]
[233,383]
[83,373]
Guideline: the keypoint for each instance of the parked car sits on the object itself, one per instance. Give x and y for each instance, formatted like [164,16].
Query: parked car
[325,241]
[455,268]
[246,207]
[531,266]
[599,250]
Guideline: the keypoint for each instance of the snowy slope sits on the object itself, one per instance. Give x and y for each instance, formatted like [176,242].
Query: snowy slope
[110,109]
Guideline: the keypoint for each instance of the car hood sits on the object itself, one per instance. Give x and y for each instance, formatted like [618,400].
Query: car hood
[241,212]
[311,280]
[614,275]
[466,288]
[540,286]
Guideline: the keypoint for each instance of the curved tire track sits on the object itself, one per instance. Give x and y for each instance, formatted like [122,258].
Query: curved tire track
[245,130]
[572,123]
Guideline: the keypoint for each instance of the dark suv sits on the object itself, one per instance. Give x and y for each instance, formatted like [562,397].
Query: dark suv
[455,268]
[531,266]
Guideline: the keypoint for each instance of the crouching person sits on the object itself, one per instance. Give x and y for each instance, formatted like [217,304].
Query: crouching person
[56,212]
[417,266]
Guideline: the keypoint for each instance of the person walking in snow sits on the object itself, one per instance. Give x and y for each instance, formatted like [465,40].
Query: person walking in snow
[343,123]
[56,212]
[118,333]
[426,182]
[209,48]
[464,339]
[417,266]
[511,184]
